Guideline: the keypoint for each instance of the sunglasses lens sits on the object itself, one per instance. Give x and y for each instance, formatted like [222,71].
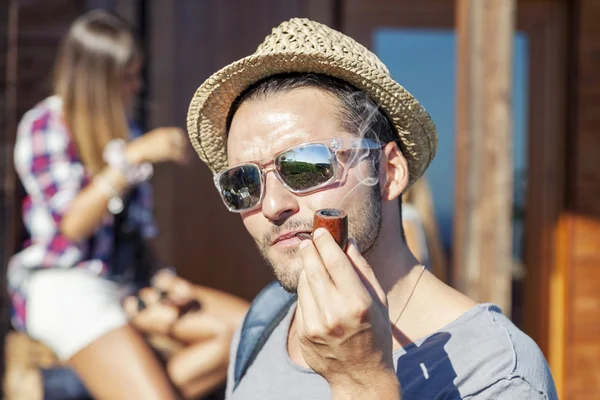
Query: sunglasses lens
[241,187]
[305,167]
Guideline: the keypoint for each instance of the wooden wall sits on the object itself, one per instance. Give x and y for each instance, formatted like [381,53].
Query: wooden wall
[580,247]
[5,149]
[29,35]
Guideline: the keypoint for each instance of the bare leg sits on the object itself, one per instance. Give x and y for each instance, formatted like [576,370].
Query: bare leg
[120,365]
[23,384]
[199,369]
[199,365]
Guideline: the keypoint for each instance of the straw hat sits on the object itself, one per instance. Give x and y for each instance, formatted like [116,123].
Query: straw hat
[302,45]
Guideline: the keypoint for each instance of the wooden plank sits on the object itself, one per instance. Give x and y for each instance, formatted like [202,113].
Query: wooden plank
[585,300]
[8,79]
[9,125]
[587,180]
[483,230]
[548,231]
[105,4]
[582,338]
[555,313]
[323,11]
[583,383]
[582,361]
[128,10]
[160,111]
[361,17]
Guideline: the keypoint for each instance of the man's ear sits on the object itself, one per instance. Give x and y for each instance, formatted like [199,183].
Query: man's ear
[396,172]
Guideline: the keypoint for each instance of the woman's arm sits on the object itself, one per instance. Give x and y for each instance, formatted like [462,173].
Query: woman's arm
[89,206]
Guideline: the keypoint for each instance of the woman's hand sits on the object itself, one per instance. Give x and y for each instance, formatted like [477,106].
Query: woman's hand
[177,290]
[159,145]
[157,308]
[150,315]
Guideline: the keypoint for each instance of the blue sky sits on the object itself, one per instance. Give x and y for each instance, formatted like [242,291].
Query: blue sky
[424,62]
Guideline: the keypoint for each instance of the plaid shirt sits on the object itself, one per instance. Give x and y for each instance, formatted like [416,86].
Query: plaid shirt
[47,163]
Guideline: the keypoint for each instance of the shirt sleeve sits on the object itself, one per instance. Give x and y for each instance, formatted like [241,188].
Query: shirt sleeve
[511,389]
[47,164]
[52,175]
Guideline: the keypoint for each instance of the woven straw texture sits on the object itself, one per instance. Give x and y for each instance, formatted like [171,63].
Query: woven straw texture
[301,45]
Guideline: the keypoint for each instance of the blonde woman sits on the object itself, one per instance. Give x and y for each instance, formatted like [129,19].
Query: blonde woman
[88,213]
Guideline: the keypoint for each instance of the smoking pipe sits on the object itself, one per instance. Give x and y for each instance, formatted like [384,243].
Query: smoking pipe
[335,221]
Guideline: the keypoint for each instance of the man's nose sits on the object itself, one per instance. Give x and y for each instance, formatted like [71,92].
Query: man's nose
[278,202]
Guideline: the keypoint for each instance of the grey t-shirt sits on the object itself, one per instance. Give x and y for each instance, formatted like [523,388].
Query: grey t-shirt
[481,355]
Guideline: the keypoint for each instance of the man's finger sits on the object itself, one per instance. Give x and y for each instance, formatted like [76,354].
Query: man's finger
[306,301]
[310,325]
[336,263]
[317,278]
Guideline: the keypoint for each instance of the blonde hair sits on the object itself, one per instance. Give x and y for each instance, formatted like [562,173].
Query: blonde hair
[88,72]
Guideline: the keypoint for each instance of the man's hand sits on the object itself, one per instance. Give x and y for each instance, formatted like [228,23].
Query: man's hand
[342,321]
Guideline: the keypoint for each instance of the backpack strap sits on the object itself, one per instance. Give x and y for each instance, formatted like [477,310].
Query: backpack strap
[265,313]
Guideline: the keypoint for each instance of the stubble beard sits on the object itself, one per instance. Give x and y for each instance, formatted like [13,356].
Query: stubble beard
[364,226]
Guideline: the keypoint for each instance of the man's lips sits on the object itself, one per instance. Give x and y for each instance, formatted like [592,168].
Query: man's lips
[291,236]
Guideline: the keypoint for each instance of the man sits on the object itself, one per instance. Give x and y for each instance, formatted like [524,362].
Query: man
[313,120]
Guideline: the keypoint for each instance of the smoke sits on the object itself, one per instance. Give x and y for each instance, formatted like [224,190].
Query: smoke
[360,162]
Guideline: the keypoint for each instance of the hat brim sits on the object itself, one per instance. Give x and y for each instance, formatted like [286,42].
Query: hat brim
[210,105]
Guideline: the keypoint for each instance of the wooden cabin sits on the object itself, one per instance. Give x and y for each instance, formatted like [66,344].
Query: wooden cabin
[554,294]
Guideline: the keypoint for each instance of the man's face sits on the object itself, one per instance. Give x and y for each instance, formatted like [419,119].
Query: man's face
[262,128]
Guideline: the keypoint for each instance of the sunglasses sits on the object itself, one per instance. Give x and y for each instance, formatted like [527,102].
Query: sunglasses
[301,169]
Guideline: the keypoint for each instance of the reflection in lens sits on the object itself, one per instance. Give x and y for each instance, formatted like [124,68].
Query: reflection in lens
[240,187]
[305,167]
